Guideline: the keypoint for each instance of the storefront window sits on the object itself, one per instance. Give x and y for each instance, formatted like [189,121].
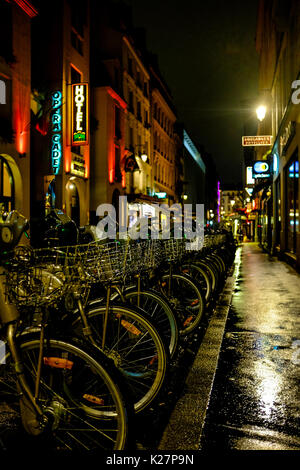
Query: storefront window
[278,211]
[292,182]
[6,186]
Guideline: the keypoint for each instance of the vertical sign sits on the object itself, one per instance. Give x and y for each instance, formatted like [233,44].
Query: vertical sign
[56,131]
[80,114]
[249,177]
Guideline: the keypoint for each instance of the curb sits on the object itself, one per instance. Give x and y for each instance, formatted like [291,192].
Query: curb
[186,422]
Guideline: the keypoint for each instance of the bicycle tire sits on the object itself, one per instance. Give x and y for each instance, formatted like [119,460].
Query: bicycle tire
[158,309]
[145,375]
[191,308]
[92,396]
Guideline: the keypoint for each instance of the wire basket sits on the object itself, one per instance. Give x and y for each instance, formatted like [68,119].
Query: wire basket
[146,254]
[106,262]
[173,249]
[32,285]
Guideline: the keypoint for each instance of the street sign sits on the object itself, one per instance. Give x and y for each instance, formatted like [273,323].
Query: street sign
[262,169]
[256,140]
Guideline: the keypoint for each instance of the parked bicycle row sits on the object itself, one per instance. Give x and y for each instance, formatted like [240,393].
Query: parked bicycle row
[93,330]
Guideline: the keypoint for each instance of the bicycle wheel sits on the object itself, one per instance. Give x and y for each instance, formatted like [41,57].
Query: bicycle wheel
[187,299]
[159,309]
[200,276]
[80,395]
[134,344]
[210,272]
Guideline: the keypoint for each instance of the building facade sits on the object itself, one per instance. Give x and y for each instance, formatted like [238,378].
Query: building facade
[164,145]
[60,138]
[277,42]
[15,90]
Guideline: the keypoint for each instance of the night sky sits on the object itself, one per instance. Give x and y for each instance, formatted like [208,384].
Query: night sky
[207,56]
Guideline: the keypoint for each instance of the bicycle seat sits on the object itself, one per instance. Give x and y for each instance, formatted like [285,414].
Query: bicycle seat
[12,226]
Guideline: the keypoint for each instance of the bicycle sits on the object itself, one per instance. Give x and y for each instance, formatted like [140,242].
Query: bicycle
[67,392]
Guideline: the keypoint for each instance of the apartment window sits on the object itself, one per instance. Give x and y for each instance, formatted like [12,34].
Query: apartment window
[292,202]
[139,111]
[138,80]
[6,49]
[130,66]
[130,99]
[146,89]
[118,174]
[117,122]
[75,75]
[78,21]
[155,111]
[131,140]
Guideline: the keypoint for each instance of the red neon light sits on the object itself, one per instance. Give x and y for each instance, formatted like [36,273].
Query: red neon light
[21,134]
[27,7]
[87,165]
[116,97]
[123,179]
[68,158]
[111,162]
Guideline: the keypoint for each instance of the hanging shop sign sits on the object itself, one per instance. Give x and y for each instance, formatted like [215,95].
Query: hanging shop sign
[249,176]
[256,140]
[80,114]
[161,195]
[262,169]
[56,148]
[77,165]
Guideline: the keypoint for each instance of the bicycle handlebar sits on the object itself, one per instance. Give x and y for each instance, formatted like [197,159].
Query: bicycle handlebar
[11,229]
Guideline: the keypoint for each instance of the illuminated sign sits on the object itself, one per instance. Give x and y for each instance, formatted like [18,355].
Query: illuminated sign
[261,169]
[77,165]
[249,177]
[80,114]
[56,131]
[294,170]
[256,140]
[161,195]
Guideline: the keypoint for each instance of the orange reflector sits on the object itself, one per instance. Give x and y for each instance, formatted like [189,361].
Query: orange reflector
[93,399]
[130,327]
[188,321]
[58,362]
[185,270]
[195,302]
[154,358]
[163,284]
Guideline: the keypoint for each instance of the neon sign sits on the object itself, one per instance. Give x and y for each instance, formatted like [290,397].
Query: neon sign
[80,114]
[261,169]
[56,130]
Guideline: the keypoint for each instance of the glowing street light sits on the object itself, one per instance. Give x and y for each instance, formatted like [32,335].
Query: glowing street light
[261,112]
[144,157]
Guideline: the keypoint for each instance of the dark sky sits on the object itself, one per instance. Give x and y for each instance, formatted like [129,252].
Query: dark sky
[207,56]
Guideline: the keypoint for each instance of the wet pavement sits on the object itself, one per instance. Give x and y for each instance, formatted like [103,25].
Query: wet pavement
[255,400]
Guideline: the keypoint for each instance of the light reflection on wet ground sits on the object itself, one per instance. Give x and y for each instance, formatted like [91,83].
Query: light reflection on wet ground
[255,402]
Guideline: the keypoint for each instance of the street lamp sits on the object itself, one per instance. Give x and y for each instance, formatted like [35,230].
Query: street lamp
[144,157]
[261,112]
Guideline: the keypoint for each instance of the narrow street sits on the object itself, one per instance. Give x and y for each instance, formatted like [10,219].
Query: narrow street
[255,400]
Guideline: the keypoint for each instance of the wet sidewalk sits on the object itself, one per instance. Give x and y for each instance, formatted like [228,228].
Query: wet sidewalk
[255,400]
